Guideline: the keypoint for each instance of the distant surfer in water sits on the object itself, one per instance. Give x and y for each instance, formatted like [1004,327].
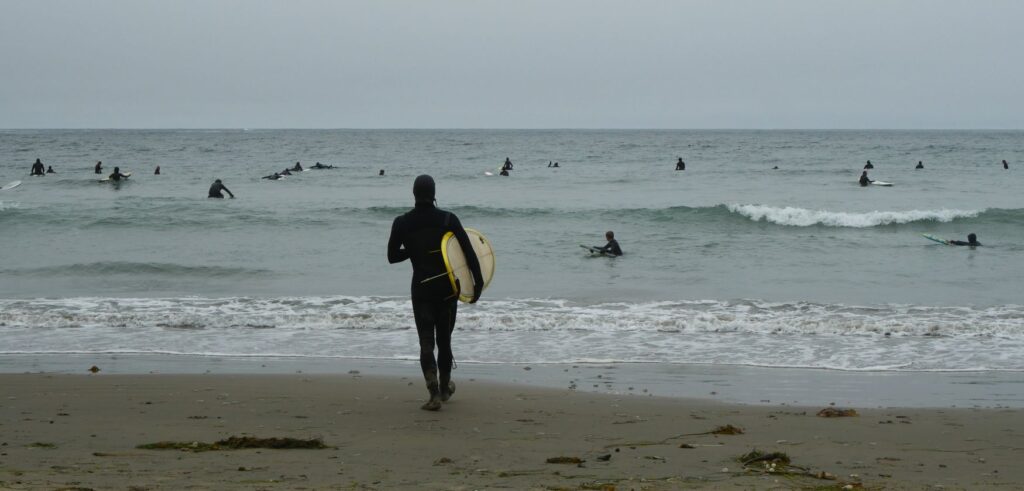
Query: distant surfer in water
[868,165]
[99,167]
[972,240]
[273,177]
[864,181]
[117,175]
[504,172]
[1005,165]
[507,165]
[157,171]
[216,188]
[297,168]
[37,169]
[318,165]
[612,247]
[920,165]
[381,172]
[680,165]
[49,170]
[556,164]
[416,236]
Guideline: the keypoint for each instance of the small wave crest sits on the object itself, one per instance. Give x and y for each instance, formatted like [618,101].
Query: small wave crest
[750,332]
[803,217]
[107,268]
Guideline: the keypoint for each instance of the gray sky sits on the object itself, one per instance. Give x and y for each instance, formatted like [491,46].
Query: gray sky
[511,64]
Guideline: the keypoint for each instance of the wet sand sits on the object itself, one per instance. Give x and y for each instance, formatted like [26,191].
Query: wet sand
[60,430]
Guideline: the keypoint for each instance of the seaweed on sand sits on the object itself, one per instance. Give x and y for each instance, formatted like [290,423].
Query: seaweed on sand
[237,443]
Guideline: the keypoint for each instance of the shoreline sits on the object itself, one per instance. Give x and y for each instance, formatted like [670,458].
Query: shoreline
[62,430]
[718,383]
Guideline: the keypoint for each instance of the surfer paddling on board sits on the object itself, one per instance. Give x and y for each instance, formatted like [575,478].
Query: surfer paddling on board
[612,247]
[864,181]
[417,236]
[216,188]
[972,240]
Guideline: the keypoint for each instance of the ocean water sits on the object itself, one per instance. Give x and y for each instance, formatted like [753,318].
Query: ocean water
[729,262]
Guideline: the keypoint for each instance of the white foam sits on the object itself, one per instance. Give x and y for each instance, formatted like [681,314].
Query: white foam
[748,332]
[802,217]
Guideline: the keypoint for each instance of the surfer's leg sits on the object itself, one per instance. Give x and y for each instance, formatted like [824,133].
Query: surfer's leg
[425,315]
[445,327]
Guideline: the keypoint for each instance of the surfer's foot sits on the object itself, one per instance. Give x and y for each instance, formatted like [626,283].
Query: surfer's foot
[435,391]
[448,392]
[434,404]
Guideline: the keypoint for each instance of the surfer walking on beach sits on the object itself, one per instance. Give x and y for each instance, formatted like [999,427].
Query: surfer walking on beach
[416,235]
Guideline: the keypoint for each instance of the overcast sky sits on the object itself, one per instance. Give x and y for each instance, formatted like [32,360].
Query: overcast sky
[511,64]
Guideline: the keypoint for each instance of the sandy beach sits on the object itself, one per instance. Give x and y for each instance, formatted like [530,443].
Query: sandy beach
[82,431]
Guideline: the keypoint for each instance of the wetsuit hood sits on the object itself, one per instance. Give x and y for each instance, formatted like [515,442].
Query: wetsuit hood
[423,189]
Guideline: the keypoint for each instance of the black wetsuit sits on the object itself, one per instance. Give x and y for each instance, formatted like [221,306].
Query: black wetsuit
[117,176]
[680,165]
[504,172]
[919,166]
[37,169]
[507,165]
[99,167]
[417,235]
[215,191]
[49,170]
[864,181]
[868,165]
[611,248]
[962,243]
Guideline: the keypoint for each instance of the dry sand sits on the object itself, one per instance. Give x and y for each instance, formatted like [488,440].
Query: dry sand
[81,431]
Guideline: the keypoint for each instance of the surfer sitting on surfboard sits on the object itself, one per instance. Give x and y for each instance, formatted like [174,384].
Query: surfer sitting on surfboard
[612,247]
[216,188]
[37,169]
[117,175]
[864,181]
[416,236]
[972,240]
